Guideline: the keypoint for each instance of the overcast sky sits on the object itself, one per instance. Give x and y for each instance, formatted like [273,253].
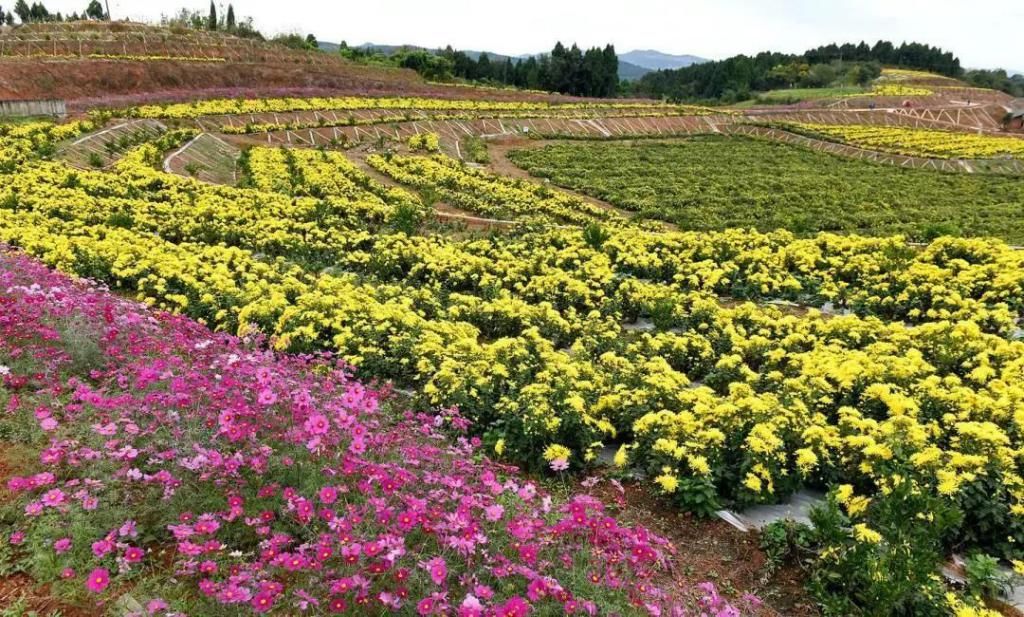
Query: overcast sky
[982,35]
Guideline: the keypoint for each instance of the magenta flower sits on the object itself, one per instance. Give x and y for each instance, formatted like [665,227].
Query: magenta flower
[425,606]
[156,605]
[262,602]
[494,512]
[514,607]
[328,495]
[317,424]
[62,546]
[98,580]
[53,498]
[437,568]
[133,554]
[266,396]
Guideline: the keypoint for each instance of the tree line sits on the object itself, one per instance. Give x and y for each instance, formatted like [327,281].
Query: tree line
[38,13]
[737,78]
[568,70]
[213,22]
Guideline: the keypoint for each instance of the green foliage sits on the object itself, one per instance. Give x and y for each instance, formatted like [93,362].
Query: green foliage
[95,160]
[595,236]
[717,182]
[406,218]
[984,577]
[783,540]
[697,496]
[898,575]
[475,149]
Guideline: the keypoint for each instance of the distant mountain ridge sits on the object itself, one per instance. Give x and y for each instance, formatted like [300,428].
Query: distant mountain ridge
[655,60]
[632,65]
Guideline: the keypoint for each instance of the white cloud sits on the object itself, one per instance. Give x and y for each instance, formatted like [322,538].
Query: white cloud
[981,35]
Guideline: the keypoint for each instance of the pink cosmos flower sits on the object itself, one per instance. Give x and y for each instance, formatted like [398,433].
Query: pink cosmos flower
[425,606]
[62,546]
[266,396]
[559,464]
[98,580]
[48,424]
[437,568]
[155,606]
[317,424]
[133,554]
[17,537]
[102,547]
[514,607]
[494,513]
[67,573]
[53,498]
[262,602]
[328,495]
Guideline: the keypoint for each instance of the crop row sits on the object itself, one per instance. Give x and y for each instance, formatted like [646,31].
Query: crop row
[210,107]
[918,142]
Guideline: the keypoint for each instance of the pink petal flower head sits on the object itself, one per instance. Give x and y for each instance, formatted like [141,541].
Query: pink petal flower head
[133,554]
[495,512]
[328,495]
[53,498]
[156,605]
[514,607]
[437,568]
[317,424]
[62,546]
[559,464]
[99,579]
[266,396]
[262,602]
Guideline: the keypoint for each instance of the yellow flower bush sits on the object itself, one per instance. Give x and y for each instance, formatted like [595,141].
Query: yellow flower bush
[918,142]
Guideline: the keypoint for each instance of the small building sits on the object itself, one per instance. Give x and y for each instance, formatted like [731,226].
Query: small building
[1015,120]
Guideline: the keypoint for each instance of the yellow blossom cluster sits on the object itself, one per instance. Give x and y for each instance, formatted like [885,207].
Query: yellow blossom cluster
[919,142]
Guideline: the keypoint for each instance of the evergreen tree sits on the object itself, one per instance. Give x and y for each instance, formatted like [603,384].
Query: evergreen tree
[211,21]
[231,18]
[2,15]
[22,10]
[95,11]
[38,13]
[483,67]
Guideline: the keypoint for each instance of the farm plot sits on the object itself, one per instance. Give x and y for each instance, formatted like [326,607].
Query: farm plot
[902,411]
[919,142]
[716,182]
[102,148]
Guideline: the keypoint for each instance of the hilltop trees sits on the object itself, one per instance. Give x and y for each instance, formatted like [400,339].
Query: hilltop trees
[95,11]
[734,79]
[22,10]
[211,21]
[594,72]
[38,13]
[230,21]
